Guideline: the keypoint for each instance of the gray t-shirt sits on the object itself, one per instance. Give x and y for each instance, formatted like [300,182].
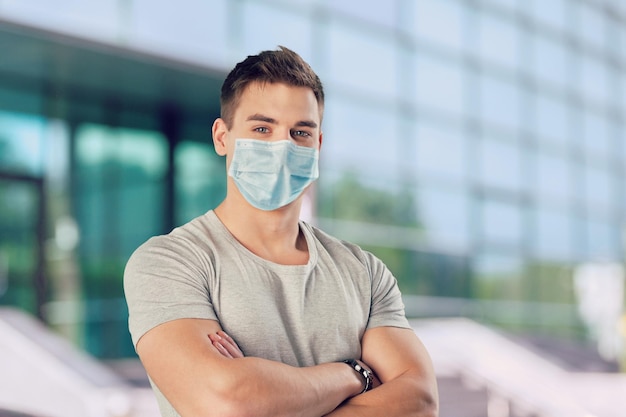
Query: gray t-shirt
[301,315]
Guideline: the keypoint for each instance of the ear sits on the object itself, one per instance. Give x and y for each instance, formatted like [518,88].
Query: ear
[319,147]
[219,131]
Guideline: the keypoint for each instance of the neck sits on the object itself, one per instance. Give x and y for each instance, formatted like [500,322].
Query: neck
[272,235]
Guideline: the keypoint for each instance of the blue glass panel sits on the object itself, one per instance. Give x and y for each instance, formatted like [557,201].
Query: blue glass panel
[361,61]
[22,142]
[441,22]
[440,84]
[192,29]
[265,27]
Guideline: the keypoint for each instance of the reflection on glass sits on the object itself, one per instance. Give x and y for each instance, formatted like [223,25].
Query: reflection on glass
[22,143]
[433,15]
[602,240]
[180,29]
[500,164]
[200,179]
[444,213]
[550,61]
[591,24]
[554,236]
[375,11]
[18,243]
[498,276]
[360,138]
[597,138]
[441,151]
[594,83]
[552,120]
[440,84]
[500,102]
[360,61]
[498,40]
[120,200]
[265,27]
[599,188]
[552,13]
[95,19]
[554,177]
[502,222]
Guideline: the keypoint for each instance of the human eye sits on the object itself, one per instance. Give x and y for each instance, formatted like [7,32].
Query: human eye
[301,134]
[261,129]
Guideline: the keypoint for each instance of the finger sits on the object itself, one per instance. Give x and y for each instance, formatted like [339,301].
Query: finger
[230,344]
[222,349]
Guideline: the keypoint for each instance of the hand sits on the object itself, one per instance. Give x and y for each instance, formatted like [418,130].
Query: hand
[226,345]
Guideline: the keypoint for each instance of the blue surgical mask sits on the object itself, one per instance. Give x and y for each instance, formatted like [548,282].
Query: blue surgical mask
[271,175]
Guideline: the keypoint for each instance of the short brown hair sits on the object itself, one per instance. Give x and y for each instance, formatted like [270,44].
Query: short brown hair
[280,66]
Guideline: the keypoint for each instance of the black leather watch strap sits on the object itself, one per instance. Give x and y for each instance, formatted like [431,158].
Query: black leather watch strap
[366,374]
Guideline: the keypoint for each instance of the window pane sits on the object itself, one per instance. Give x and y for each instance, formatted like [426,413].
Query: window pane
[498,276]
[19,203]
[552,13]
[498,40]
[591,24]
[594,79]
[550,61]
[200,179]
[22,143]
[599,190]
[97,18]
[372,10]
[430,15]
[500,164]
[265,27]
[191,37]
[120,193]
[502,222]
[554,235]
[551,115]
[602,240]
[554,177]
[441,151]
[360,61]
[444,214]
[359,138]
[597,138]
[500,102]
[440,84]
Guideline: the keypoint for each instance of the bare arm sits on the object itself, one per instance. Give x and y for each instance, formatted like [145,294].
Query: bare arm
[408,381]
[199,380]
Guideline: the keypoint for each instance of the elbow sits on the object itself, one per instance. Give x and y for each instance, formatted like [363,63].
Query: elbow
[428,405]
[427,401]
[217,408]
[221,400]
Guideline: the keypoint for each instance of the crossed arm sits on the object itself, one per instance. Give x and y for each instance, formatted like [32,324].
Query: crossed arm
[202,375]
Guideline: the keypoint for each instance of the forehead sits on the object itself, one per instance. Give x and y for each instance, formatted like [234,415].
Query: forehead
[278,100]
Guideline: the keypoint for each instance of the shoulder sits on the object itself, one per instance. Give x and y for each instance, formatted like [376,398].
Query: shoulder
[184,244]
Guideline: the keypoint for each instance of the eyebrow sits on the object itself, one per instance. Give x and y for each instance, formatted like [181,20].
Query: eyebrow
[261,118]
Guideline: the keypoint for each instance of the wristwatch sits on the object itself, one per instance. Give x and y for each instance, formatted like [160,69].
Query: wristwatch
[365,373]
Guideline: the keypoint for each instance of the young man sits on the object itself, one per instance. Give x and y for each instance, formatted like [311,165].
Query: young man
[248,311]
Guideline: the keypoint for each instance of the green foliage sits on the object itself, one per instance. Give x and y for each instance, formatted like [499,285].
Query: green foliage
[349,199]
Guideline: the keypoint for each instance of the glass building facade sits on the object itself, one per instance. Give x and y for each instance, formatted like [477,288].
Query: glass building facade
[476,146]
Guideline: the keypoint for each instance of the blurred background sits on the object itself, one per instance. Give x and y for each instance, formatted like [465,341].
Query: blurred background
[477,146]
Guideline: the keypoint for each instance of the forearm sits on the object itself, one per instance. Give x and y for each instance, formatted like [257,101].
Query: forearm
[258,387]
[404,396]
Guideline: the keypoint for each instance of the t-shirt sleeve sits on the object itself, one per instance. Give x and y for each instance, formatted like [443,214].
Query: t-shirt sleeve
[162,282]
[387,306]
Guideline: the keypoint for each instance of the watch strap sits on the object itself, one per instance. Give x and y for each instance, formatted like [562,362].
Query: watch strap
[365,374]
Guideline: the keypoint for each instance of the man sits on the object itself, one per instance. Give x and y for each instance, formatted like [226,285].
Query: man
[248,311]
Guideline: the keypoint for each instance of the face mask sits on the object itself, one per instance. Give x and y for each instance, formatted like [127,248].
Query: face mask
[271,175]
